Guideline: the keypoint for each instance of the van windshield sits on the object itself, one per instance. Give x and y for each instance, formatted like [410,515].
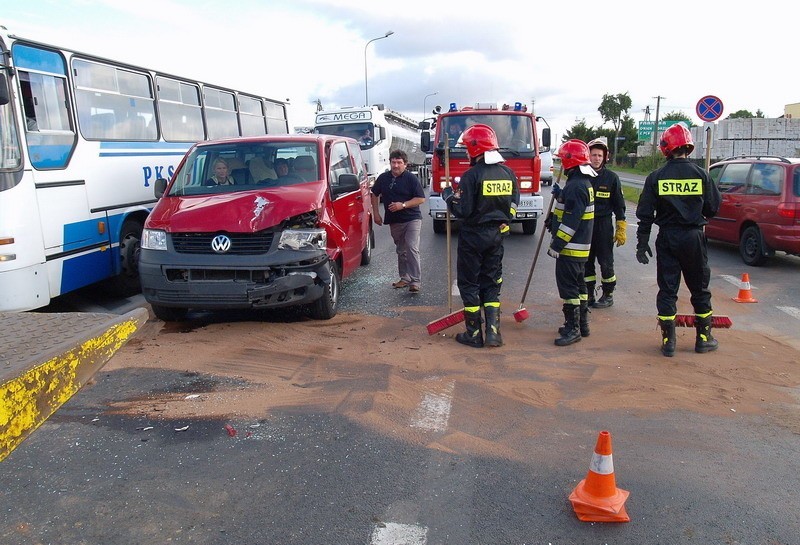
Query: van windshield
[234,167]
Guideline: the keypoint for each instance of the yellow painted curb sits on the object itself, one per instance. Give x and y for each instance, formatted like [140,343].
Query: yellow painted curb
[29,399]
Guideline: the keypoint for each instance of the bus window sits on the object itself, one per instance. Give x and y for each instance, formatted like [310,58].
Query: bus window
[10,153]
[276,118]
[251,116]
[112,103]
[179,110]
[220,114]
[43,89]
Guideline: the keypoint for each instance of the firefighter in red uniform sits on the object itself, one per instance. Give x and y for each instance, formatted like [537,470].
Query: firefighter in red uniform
[486,203]
[571,226]
[678,197]
[608,199]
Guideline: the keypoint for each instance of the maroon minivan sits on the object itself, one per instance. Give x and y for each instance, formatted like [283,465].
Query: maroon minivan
[260,222]
[760,209]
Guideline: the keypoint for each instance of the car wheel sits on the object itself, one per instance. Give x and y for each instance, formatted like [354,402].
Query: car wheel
[127,282]
[170,314]
[529,227]
[439,227]
[326,306]
[366,253]
[751,247]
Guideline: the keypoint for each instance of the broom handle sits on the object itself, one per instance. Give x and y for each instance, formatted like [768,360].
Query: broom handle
[539,244]
[447,222]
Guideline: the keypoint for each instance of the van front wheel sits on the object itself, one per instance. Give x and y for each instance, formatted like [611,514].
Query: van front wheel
[326,306]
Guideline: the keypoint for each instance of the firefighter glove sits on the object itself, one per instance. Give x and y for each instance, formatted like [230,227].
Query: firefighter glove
[548,222]
[447,194]
[556,191]
[620,235]
[642,251]
[552,253]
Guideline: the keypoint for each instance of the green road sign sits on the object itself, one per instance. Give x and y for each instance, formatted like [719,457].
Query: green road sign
[646,128]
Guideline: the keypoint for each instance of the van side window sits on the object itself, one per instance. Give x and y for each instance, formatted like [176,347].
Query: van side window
[734,178]
[765,179]
[340,162]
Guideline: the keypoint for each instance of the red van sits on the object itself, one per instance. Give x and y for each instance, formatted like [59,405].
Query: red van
[260,222]
[760,208]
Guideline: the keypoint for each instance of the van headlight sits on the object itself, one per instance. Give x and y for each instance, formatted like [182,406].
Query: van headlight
[153,239]
[303,239]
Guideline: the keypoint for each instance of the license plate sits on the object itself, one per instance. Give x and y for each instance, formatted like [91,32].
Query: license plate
[526,203]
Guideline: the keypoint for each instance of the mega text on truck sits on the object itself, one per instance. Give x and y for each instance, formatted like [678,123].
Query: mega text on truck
[517,135]
[379,131]
[283,228]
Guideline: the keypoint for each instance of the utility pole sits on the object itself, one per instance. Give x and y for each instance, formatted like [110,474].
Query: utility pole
[655,127]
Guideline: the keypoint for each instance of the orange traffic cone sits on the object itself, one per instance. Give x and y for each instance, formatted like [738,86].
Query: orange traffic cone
[744,291]
[597,498]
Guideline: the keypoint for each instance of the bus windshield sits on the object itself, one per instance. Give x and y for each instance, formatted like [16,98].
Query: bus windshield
[514,132]
[235,167]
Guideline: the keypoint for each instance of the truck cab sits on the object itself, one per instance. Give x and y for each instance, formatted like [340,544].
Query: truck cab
[285,221]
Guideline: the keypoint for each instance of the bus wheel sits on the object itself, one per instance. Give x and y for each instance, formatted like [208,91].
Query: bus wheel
[529,227]
[170,314]
[127,281]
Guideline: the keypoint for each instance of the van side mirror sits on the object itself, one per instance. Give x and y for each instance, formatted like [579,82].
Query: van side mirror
[4,97]
[347,184]
[159,187]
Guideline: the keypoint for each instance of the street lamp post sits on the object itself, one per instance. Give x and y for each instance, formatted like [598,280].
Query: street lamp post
[424,103]
[366,87]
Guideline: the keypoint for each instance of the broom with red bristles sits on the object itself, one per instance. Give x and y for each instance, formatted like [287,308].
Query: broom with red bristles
[458,316]
[688,320]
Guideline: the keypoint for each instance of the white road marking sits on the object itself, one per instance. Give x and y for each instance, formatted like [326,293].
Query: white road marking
[794,312]
[433,412]
[393,533]
[454,289]
[735,281]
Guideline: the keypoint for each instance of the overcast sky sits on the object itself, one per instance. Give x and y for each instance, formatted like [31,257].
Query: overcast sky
[562,57]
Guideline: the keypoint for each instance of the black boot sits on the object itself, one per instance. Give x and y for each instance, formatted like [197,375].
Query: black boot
[590,293]
[473,336]
[667,337]
[584,318]
[493,337]
[705,342]
[607,299]
[572,332]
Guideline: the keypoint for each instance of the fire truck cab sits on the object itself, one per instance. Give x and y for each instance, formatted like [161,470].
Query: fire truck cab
[518,137]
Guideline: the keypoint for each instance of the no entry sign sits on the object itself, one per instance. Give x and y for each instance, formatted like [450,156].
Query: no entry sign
[709,108]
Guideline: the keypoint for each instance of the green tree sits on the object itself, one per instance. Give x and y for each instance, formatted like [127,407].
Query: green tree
[579,131]
[678,116]
[745,114]
[613,108]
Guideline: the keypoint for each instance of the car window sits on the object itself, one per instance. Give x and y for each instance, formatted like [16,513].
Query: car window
[765,179]
[340,162]
[796,182]
[733,178]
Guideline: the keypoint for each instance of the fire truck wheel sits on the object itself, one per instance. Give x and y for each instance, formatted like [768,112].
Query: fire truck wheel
[529,227]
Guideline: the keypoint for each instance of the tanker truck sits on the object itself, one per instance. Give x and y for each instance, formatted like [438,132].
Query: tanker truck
[379,131]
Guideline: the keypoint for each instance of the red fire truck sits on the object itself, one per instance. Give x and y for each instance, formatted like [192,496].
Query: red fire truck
[518,137]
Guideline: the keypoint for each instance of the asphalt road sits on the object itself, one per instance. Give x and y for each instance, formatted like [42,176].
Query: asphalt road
[309,476]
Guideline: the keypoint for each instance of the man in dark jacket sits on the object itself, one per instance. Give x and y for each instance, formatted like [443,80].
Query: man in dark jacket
[608,200]
[679,197]
[571,226]
[486,202]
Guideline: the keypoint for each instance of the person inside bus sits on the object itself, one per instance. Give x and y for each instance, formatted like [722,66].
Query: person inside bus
[221,175]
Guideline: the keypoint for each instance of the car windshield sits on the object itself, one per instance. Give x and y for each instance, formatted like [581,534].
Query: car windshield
[239,166]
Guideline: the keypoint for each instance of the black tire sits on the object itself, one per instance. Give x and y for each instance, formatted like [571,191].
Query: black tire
[170,314]
[127,282]
[366,253]
[751,247]
[440,227]
[529,227]
[326,306]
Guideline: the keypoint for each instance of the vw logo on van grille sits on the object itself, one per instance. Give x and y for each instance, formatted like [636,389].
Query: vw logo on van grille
[221,244]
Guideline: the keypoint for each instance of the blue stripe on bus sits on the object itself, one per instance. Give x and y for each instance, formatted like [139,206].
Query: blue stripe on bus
[82,270]
[85,233]
[144,145]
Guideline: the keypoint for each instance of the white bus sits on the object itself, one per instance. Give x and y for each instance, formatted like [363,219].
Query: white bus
[82,139]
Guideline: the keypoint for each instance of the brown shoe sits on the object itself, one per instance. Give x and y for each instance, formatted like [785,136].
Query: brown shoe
[414,289]
[400,284]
